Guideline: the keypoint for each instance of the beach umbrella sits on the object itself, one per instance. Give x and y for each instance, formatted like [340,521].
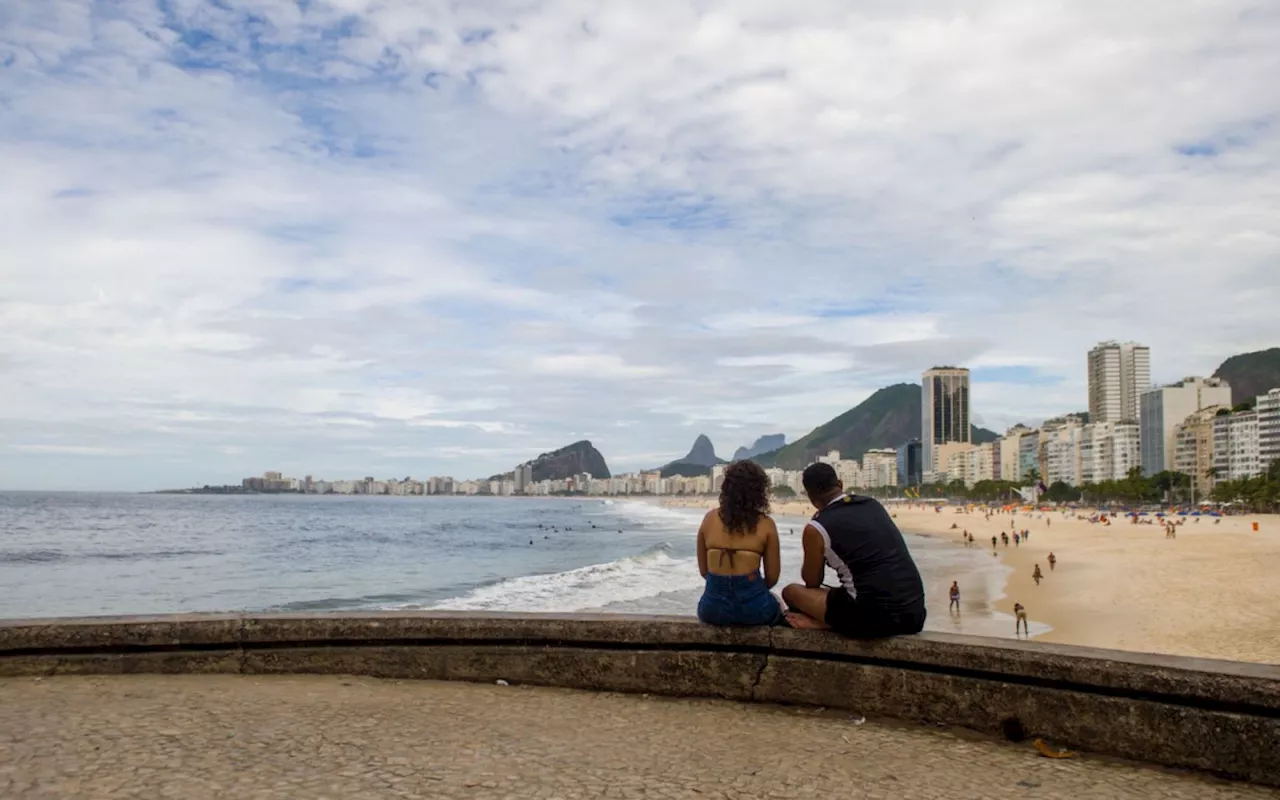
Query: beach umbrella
[1144,514]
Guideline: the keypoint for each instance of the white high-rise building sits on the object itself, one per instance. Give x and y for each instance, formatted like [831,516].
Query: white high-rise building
[1011,468]
[1118,375]
[1108,450]
[1193,448]
[1268,408]
[880,468]
[1235,446]
[944,407]
[1060,443]
[1165,408]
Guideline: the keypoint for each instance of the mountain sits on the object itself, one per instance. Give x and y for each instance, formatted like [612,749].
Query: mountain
[703,453]
[764,444]
[702,457]
[1251,374]
[575,459]
[888,418]
[684,469]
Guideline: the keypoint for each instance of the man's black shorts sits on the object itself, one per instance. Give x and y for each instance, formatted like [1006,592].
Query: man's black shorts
[845,615]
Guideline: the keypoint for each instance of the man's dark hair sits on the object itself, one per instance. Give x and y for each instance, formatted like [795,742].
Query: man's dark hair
[819,479]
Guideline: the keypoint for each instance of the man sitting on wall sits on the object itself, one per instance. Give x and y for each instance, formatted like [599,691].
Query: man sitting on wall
[880,592]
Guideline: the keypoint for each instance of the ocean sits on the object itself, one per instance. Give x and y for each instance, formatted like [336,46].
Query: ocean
[83,554]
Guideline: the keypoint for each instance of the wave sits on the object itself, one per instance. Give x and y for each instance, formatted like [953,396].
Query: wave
[55,557]
[658,516]
[342,603]
[627,579]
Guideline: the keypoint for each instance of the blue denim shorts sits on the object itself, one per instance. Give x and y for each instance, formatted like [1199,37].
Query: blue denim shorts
[738,600]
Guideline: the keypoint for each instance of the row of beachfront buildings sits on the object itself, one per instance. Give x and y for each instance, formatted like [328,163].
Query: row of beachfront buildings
[1190,427]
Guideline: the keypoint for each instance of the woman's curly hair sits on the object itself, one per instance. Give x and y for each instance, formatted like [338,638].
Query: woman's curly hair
[744,497]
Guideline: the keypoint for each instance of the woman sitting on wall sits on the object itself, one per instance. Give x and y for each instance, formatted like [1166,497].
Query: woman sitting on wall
[735,541]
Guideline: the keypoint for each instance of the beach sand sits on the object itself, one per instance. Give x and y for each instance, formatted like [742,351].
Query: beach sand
[1207,593]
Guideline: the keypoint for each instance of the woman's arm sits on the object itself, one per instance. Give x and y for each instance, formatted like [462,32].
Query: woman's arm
[772,557]
[702,548]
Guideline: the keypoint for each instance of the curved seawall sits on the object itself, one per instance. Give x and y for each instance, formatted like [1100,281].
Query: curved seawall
[1218,716]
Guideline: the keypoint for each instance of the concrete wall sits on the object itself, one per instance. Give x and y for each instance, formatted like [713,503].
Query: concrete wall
[1218,716]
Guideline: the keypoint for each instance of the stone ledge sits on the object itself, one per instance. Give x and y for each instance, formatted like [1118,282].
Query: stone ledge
[1212,715]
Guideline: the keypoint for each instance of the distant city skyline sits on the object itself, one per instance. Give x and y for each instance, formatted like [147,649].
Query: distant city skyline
[425,238]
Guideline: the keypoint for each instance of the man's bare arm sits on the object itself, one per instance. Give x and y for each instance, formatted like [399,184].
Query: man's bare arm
[815,557]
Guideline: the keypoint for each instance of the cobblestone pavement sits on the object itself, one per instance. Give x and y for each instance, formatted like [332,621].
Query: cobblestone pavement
[330,737]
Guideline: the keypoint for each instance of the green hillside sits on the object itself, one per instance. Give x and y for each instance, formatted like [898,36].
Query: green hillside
[888,418]
[1251,374]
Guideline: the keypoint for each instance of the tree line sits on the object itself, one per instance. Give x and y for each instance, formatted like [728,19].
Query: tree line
[1260,494]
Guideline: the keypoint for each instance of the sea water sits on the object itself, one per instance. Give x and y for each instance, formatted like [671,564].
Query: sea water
[75,554]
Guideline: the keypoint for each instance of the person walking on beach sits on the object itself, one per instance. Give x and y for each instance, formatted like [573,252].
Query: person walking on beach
[880,592]
[955,597]
[1004,538]
[736,542]
[1037,575]
[1017,539]
[1053,560]
[1020,619]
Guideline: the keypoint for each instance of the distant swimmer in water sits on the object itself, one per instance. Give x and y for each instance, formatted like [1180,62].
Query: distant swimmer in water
[1020,620]
[1037,575]
[530,541]
[955,596]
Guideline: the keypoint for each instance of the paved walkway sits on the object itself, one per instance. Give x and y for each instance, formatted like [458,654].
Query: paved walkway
[350,738]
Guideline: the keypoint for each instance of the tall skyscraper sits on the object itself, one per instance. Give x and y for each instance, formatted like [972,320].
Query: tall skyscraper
[910,471]
[1118,375]
[944,411]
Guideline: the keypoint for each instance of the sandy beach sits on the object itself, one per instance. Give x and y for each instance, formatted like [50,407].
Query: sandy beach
[1207,593]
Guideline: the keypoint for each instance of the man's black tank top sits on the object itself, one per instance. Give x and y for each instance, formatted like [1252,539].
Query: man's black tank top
[867,551]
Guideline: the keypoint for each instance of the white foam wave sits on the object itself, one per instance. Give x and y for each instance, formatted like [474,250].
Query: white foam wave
[627,579]
[654,514]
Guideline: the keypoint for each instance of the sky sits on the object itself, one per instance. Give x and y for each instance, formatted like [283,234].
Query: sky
[364,237]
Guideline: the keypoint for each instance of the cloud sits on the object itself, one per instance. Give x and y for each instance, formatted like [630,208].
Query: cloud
[588,366]
[334,237]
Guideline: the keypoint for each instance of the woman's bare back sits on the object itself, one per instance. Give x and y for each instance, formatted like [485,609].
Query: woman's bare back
[735,554]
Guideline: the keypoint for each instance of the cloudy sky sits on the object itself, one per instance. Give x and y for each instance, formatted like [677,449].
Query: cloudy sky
[350,237]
